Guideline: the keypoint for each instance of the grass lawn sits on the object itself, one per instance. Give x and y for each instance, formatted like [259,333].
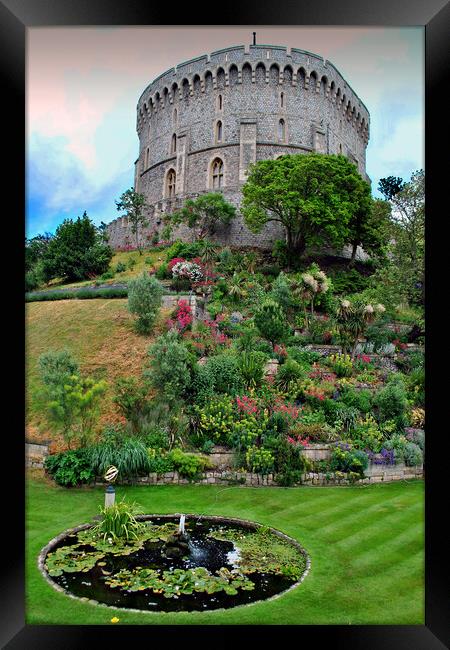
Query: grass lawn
[100,335]
[142,263]
[366,545]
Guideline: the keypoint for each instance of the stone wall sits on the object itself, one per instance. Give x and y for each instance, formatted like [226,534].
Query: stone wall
[374,474]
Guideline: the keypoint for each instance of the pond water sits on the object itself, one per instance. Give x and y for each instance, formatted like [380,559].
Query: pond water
[214,555]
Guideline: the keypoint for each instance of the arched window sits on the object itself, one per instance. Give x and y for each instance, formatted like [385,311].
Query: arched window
[170,183]
[175,116]
[281,131]
[219,131]
[217,174]
[173,147]
[219,103]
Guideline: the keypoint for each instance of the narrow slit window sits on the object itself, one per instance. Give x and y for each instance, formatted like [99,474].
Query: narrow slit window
[281,131]
[219,131]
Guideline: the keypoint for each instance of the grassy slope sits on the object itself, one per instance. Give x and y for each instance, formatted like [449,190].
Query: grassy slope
[100,335]
[366,546]
[157,257]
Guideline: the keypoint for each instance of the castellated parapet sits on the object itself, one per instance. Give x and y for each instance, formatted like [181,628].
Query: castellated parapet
[204,122]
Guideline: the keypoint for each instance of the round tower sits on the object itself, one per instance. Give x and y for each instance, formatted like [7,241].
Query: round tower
[202,124]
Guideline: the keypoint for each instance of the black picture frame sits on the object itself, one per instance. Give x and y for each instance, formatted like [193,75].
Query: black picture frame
[18,15]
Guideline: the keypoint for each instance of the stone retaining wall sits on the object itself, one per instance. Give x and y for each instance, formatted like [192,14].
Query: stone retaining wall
[374,474]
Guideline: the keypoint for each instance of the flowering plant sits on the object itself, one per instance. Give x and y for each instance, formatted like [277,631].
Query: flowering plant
[189,270]
[183,316]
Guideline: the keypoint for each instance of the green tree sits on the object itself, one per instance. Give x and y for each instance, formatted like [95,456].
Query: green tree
[76,251]
[271,321]
[144,300]
[170,366]
[408,229]
[204,214]
[314,197]
[133,204]
[369,228]
[71,400]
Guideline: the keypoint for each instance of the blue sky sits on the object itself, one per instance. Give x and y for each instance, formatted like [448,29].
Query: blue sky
[83,85]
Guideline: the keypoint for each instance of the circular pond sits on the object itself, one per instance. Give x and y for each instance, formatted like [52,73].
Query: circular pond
[203,564]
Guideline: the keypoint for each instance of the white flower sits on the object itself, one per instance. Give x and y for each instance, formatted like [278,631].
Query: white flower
[368,309]
[345,304]
[381,308]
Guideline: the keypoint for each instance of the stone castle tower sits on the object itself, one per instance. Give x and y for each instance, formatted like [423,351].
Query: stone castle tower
[201,124]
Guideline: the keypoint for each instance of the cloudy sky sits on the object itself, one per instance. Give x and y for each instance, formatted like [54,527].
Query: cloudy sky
[83,85]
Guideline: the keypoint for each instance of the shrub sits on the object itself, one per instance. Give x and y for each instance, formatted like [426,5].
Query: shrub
[70,468]
[183,249]
[343,459]
[56,367]
[391,402]
[417,436]
[341,364]
[144,300]
[397,443]
[413,454]
[160,464]
[259,460]
[156,438]
[170,366]
[281,291]
[288,373]
[215,420]
[270,321]
[367,435]
[107,276]
[162,272]
[358,399]
[131,399]
[187,464]
[223,373]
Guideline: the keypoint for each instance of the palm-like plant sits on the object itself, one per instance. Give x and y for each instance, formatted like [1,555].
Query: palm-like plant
[208,252]
[236,287]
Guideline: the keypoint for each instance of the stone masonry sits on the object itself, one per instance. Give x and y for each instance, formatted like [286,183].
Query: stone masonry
[234,107]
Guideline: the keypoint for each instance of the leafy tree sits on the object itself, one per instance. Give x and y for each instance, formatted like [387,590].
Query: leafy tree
[133,204]
[314,197]
[369,228]
[204,213]
[144,299]
[76,251]
[408,229]
[170,367]
[271,322]
[71,400]
[35,249]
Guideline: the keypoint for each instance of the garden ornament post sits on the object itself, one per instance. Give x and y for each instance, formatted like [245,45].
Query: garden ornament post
[110,493]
